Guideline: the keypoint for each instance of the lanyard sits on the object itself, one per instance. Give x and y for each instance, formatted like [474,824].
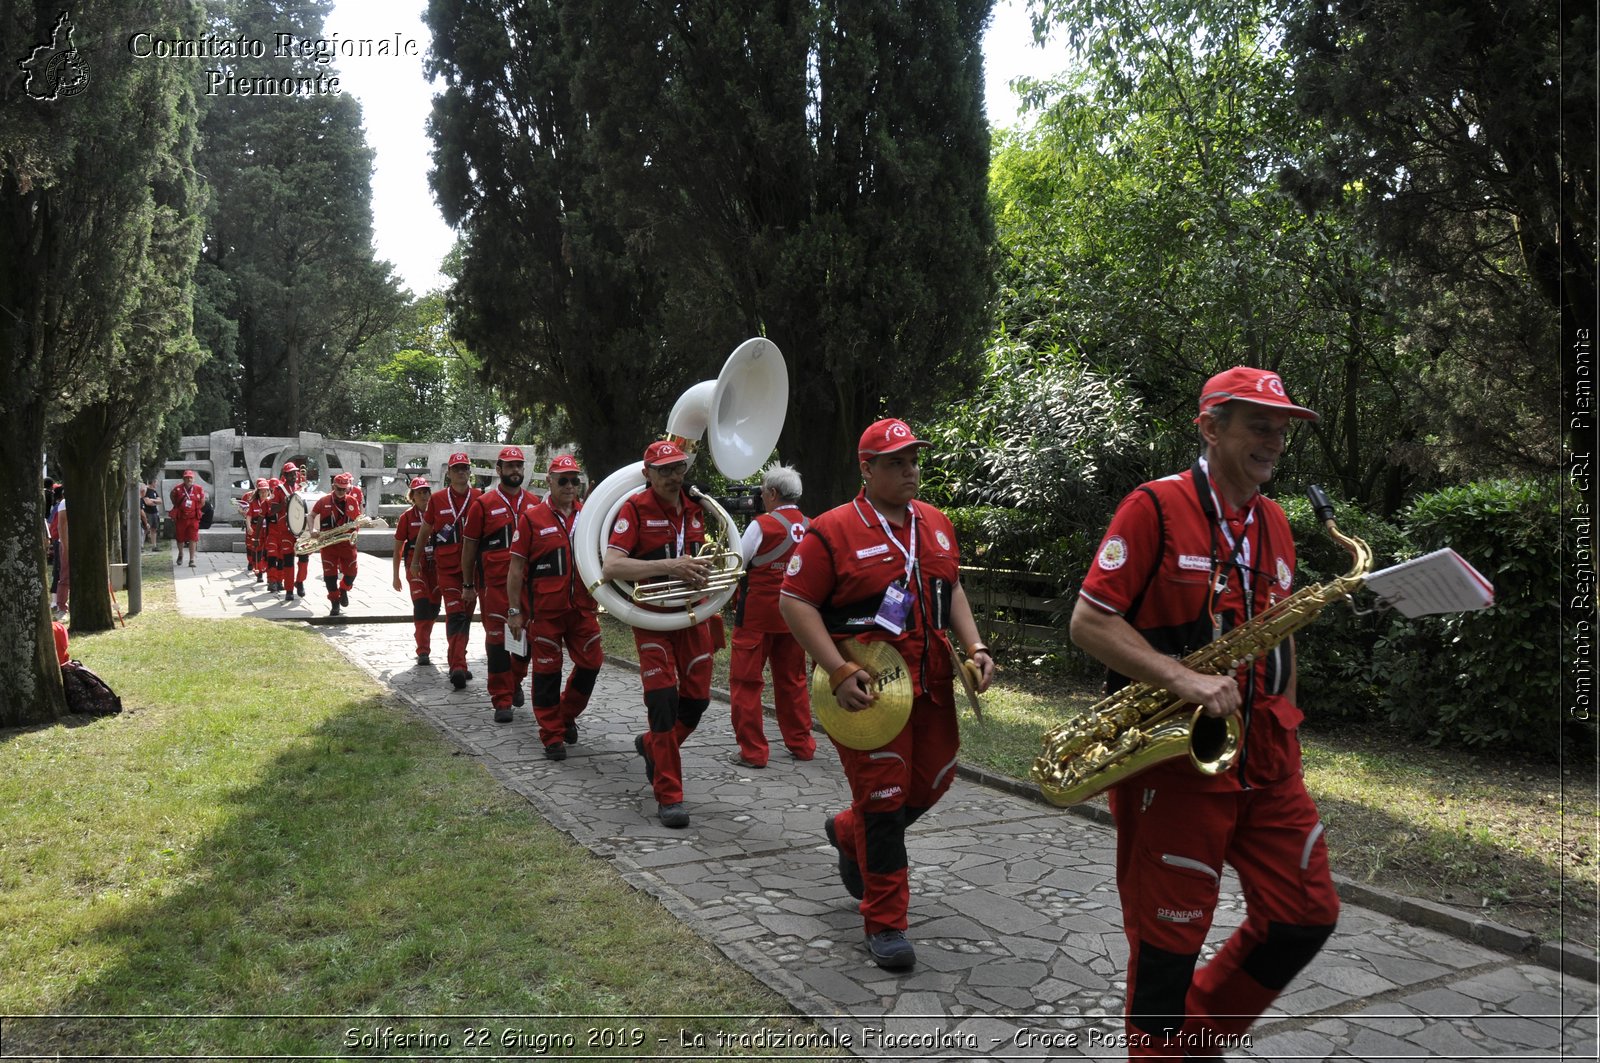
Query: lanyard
[911,554]
[1239,551]
[450,500]
[512,506]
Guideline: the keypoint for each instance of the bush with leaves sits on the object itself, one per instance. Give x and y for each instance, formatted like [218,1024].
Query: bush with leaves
[1333,656]
[1491,677]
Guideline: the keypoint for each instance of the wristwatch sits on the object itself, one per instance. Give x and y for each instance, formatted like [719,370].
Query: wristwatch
[513,611]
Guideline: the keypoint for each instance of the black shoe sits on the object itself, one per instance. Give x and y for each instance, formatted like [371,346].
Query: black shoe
[516,696]
[649,765]
[555,751]
[673,816]
[258,577]
[458,678]
[335,610]
[891,951]
[502,714]
[300,588]
[422,660]
[572,734]
[344,597]
[849,870]
[288,596]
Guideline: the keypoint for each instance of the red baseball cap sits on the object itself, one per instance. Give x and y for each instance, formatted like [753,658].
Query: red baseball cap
[188,474]
[1259,387]
[459,458]
[419,483]
[886,437]
[563,463]
[261,484]
[511,454]
[343,480]
[664,452]
[290,466]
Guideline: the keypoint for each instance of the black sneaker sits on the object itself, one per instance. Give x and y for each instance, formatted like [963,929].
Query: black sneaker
[423,661]
[258,577]
[516,696]
[288,596]
[335,610]
[572,734]
[674,816]
[502,714]
[649,765]
[300,588]
[458,677]
[891,951]
[555,751]
[849,870]
[344,597]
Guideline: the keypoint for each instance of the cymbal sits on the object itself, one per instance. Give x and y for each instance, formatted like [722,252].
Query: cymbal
[878,723]
[967,674]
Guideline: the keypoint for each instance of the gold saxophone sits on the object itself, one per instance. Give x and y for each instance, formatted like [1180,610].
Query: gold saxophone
[1142,725]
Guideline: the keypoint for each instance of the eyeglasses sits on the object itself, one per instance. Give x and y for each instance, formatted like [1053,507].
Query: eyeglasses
[677,469]
[569,481]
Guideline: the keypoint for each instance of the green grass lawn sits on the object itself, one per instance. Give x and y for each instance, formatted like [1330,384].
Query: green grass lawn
[264,832]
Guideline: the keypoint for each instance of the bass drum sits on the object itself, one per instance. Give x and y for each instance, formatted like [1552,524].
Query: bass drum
[298,515]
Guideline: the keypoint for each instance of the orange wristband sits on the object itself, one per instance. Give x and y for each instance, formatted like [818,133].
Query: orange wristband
[837,677]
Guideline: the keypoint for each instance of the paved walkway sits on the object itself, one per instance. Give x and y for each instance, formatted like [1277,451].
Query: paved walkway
[1013,908]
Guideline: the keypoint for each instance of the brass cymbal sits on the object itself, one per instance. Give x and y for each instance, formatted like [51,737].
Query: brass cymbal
[966,672]
[878,723]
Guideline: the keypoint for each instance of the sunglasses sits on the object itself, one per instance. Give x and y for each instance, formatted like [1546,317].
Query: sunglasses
[569,481]
[672,470]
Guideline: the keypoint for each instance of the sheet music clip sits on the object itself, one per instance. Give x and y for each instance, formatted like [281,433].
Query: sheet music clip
[1440,582]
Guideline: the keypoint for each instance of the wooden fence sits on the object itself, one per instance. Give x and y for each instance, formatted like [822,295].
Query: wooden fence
[1023,613]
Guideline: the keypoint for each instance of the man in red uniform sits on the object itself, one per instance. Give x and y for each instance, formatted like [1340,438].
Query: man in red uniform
[424,586]
[1186,558]
[550,602]
[759,633]
[441,528]
[486,533]
[256,508]
[342,506]
[657,534]
[188,500]
[280,540]
[885,567]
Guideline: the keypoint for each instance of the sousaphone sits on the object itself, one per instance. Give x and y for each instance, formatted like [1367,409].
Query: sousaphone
[740,414]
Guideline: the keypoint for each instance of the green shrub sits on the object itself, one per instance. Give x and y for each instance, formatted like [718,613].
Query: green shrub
[1334,655]
[1489,677]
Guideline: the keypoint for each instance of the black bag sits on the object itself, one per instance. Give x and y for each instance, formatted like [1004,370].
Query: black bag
[207,515]
[87,693]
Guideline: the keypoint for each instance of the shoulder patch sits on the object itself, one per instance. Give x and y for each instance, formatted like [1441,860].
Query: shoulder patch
[1285,577]
[794,565]
[942,538]
[1113,554]
[620,526]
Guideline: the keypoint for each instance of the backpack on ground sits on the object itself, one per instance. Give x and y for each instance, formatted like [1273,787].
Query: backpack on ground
[87,693]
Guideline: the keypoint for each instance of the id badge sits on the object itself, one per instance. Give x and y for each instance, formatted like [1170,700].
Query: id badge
[894,608]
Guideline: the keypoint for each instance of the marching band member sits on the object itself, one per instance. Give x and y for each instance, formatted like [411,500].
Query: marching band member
[338,560]
[441,528]
[188,501]
[486,534]
[657,534]
[280,540]
[257,506]
[885,566]
[759,633]
[550,602]
[424,586]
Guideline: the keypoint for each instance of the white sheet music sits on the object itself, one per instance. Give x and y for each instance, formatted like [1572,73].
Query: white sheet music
[1440,582]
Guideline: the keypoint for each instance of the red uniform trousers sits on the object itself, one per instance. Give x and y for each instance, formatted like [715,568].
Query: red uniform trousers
[506,670]
[457,614]
[791,694]
[186,531]
[1171,845]
[553,708]
[280,555]
[424,588]
[890,788]
[675,667]
[338,568]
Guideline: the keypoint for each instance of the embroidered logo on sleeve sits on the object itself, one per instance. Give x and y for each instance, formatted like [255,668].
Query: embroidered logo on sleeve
[794,565]
[1285,577]
[1113,554]
[943,539]
[620,526]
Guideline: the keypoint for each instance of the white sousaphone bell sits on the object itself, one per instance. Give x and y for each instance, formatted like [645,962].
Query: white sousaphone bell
[740,413]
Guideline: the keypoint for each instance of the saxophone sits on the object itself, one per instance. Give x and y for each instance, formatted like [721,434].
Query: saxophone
[1142,725]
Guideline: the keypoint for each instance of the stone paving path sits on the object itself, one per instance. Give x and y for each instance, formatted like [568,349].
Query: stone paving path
[1014,913]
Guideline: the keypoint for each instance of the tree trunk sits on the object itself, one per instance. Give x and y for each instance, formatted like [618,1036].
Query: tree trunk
[30,680]
[86,458]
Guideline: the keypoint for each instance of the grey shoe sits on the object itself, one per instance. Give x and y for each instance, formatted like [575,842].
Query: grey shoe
[555,751]
[891,951]
[673,815]
[849,870]
[503,714]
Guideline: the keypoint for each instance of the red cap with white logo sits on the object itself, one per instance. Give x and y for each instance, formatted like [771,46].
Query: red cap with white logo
[1259,387]
[886,437]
